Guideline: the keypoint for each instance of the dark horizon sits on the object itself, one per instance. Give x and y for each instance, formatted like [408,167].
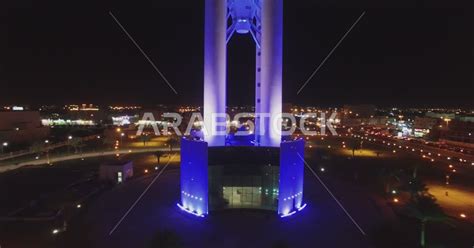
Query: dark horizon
[408,55]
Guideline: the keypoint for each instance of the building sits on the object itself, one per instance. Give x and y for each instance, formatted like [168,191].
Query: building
[440,115]
[116,171]
[458,133]
[422,126]
[361,111]
[21,127]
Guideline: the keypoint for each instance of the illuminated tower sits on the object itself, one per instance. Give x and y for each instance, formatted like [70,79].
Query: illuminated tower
[215,175]
[263,20]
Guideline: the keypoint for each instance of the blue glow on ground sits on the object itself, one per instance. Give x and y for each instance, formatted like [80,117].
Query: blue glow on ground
[302,207]
[288,214]
[294,212]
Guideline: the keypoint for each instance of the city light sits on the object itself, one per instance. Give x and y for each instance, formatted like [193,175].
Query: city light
[463,216]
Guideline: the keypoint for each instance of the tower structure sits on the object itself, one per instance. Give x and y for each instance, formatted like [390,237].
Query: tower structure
[263,21]
[215,175]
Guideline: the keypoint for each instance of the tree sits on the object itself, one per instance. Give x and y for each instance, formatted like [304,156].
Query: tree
[354,144]
[389,178]
[39,147]
[158,155]
[144,138]
[425,209]
[414,186]
[172,142]
[77,144]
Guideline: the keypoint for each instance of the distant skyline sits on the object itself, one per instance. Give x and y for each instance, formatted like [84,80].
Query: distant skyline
[411,54]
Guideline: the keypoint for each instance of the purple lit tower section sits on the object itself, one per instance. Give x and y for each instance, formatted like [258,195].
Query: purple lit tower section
[215,59]
[263,21]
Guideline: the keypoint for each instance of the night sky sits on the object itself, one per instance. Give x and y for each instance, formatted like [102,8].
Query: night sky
[406,53]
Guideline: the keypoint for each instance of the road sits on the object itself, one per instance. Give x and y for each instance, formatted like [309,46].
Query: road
[52,160]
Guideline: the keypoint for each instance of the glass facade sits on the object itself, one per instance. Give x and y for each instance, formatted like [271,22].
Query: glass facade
[248,183]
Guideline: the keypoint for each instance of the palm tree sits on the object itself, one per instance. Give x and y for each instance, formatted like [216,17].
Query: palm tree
[425,209]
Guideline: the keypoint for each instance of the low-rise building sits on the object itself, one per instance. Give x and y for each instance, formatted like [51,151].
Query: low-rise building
[116,171]
[21,127]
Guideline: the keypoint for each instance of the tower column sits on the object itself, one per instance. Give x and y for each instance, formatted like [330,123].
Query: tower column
[215,60]
[271,70]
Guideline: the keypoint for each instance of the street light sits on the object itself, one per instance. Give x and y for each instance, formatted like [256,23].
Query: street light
[5,144]
[69,138]
[121,137]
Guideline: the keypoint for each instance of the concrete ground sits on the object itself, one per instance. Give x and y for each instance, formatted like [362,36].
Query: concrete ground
[321,224]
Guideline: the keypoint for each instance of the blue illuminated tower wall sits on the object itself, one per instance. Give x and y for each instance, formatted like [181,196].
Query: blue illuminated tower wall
[194,176]
[263,19]
[215,59]
[291,177]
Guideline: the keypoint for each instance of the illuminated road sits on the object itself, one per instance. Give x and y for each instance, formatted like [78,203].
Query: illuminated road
[53,160]
[459,200]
